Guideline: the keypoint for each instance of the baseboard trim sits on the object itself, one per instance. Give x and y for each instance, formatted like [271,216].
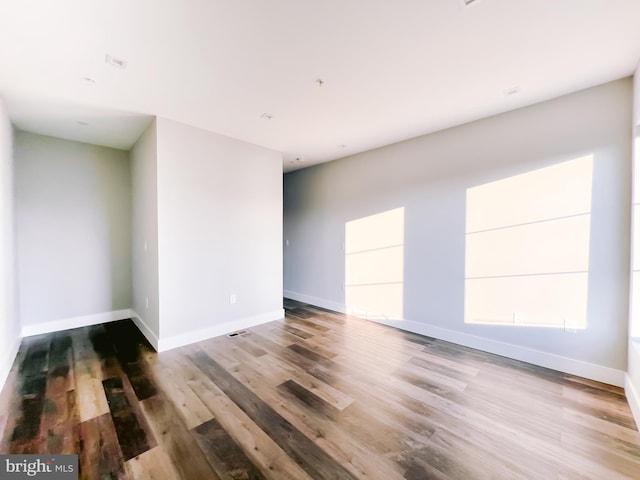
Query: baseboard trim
[7,361]
[144,328]
[572,366]
[633,397]
[536,357]
[217,330]
[318,302]
[75,322]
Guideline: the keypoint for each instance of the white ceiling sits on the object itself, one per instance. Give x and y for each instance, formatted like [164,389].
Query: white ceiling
[392,69]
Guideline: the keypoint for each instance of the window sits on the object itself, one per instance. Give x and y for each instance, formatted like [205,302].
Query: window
[527,248]
[635,242]
[374,265]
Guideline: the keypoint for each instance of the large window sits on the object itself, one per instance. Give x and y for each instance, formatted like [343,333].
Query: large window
[527,248]
[635,252]
[374,265]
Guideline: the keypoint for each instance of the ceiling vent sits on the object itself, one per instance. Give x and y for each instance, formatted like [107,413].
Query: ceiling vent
[115,61]
[512,91]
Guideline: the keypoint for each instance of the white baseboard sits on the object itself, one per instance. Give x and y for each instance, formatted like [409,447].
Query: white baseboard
[75,322]
[516,352]
[633,397]
[318,302]
[580,368]
[217,330]
[144,328]
[7,361]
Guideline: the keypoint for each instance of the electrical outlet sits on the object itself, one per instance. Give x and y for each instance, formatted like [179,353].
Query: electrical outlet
[232,298]
[146,302]
[518,317]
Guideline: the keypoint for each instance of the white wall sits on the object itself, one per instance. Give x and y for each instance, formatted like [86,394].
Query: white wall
[9,321]
[144,192]
[73,224]
[219,233]
[632,386]
[429,176]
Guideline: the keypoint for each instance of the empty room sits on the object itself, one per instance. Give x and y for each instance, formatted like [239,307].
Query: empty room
[302,240]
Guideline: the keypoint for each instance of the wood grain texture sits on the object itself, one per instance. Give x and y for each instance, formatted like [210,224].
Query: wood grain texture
[224,454]
[130,424]
[99,454]
[175,439]
[91,399]
[172,376]
[302,449]
[318,395]
[60,412]
[261,448]
[153,464]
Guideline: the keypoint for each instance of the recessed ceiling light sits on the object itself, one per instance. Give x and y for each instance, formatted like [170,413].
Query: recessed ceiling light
[343,145]
[512,91]
[115,61]
[266,116]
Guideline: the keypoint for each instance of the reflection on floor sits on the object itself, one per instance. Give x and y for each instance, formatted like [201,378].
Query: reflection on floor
[318,395]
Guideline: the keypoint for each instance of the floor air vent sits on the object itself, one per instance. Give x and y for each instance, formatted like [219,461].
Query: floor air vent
[238,334]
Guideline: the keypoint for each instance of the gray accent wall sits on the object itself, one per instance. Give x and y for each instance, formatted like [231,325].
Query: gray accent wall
[207,225]
[73,228]
[144,244]
[429,177]
[219,229]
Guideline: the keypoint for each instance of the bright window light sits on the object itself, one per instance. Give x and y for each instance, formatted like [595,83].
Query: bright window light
[527,248]
[374,265]
[635,242]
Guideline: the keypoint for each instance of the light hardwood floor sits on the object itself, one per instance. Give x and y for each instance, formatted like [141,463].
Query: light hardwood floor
[318,395]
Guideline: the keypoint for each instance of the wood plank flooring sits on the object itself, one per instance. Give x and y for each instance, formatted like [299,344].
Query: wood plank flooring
[318,395]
